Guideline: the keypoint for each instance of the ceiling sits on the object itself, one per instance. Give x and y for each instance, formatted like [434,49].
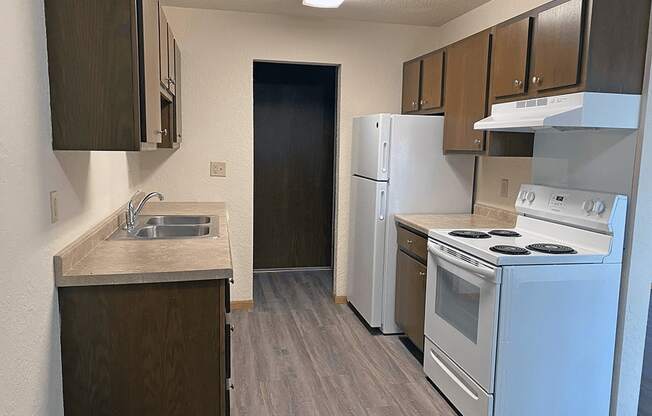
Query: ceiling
[411,12]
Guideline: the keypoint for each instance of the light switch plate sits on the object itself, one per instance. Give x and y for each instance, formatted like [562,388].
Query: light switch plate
[54,207]
[218,169]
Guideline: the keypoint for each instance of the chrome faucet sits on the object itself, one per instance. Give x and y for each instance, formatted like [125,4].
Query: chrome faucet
[132,213]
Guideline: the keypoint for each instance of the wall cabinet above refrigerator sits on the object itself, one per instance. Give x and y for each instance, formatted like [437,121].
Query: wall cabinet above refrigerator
[104,71]
[423,84]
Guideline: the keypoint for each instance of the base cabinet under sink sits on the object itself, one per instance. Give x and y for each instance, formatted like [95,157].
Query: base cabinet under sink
[146,349]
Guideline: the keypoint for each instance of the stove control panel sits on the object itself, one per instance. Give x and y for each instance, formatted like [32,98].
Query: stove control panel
[586,209]
[558,202]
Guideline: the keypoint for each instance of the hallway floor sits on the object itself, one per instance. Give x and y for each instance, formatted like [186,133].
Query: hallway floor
[298,353]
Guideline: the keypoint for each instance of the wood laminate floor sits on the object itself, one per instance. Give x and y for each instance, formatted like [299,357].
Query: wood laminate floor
[297,353]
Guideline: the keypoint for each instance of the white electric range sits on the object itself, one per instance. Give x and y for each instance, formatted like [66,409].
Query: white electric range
[522,321]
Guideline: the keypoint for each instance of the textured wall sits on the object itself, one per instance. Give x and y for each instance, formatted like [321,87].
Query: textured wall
[218,52]
[490,173]
[90,186]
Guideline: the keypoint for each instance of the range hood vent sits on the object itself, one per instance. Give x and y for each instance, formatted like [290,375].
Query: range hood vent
[583,110]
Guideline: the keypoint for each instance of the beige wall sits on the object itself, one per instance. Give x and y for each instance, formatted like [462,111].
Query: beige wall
[90,186]
[218,51]
[491,171]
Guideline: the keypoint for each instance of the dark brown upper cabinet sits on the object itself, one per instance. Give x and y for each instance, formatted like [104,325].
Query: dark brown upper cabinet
[169,76]
[558,46]
[172,77]
[423,82]
[432,81]
[411,80]
[163,49]
[467,68]
[581,45]
[177,97]
[103,72]
[511,51]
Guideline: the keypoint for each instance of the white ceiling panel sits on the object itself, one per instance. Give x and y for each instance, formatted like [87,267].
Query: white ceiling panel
[411,12]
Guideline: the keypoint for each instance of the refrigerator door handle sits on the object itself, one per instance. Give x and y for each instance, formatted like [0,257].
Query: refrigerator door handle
[384,157]
[381,214]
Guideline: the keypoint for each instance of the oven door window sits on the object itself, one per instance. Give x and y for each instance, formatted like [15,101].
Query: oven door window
[458,303]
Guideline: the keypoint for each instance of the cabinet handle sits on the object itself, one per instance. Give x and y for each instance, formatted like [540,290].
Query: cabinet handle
[231,280]
[163,132]
[423,102]
[477,141]
[537,80]
[409,242]
[518,83]
[414,104]
[422,274]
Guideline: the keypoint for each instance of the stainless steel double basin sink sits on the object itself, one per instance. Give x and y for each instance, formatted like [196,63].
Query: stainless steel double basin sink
[164,227]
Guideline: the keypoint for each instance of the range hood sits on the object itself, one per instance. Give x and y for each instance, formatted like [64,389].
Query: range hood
[590,110]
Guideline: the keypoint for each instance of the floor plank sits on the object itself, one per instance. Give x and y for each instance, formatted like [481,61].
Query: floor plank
[298,353]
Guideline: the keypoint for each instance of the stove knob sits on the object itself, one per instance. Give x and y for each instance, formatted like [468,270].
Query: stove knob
[531,196]
[599,207]
[588,206]
[522,196]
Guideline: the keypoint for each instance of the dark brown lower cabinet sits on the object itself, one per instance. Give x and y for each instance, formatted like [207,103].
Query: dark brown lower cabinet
[410,303]
[146,349]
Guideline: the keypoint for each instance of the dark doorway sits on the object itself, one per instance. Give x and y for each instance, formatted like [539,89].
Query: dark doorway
[294,148]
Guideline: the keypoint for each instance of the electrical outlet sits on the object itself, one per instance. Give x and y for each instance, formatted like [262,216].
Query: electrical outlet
[54,207]
[218,169]
[504,188]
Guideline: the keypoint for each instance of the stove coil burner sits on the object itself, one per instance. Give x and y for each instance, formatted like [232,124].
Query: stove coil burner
[511,250]
[469,234]
[504,233]
[550,248]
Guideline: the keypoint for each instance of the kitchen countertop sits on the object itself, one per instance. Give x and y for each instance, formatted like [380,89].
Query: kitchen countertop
[112,262]
[426,222]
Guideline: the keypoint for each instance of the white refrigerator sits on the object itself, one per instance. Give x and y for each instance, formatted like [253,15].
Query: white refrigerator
[398,166]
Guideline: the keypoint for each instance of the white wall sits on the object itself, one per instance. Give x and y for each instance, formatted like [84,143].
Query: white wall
[218,50]
[90,186]
[585,159]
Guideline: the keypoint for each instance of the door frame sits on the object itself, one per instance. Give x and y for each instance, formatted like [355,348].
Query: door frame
[336,166]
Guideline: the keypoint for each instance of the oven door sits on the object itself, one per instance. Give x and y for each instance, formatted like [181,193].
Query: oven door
[462,296]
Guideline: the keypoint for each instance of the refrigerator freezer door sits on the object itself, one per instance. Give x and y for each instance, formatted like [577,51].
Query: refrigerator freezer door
[367,248]
[370,152]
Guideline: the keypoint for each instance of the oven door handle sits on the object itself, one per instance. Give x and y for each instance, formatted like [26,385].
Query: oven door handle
[483,271]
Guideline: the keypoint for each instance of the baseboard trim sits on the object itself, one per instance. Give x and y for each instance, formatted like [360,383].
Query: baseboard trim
[294,269]
[242,305]
[340,300]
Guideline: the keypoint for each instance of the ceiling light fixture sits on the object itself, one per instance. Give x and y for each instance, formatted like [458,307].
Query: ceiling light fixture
[323,4]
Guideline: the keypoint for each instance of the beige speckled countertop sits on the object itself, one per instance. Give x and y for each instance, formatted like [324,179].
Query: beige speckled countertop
[426,222]
[93,260]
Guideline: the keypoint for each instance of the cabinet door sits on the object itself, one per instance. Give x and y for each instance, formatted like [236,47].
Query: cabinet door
[163,48]
[432,81]
[410,297]
[467,65]
[171,65]
[510,59]
[152,130]
[177,98]
[411,75]
[558,46]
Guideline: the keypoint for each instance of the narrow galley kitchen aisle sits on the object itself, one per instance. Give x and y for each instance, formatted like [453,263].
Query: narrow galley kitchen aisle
[302,354]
